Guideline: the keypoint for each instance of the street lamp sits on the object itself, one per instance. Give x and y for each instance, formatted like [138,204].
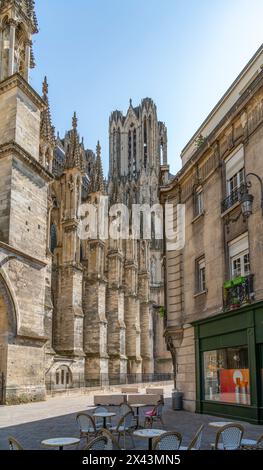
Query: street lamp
[247,199]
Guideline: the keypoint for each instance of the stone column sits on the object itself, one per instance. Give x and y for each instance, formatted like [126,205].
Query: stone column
[146,324]
[116,336]
[12,39]
[27,60]
[1,55]
[95,321]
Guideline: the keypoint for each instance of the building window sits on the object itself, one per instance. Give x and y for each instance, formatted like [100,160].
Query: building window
[129,152]
[134,152]
[236,181]
[239,257]
[63,377]
[226,375]
[235,178]
[235,170]
[198,202]
[200,274]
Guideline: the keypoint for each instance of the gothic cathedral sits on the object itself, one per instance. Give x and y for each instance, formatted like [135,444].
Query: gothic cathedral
[73,313]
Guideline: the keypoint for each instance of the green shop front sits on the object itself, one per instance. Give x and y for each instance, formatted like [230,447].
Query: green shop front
[229,364]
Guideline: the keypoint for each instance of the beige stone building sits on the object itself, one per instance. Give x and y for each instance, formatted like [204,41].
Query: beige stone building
[73,312]
[214,285]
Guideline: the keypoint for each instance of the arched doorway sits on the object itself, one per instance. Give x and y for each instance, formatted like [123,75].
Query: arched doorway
[7,333]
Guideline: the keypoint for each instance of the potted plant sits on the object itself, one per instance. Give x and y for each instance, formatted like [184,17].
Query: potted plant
[237,281]
[228,284]
[235,303]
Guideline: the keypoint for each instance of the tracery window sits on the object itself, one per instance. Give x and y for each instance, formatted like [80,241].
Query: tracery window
[145,144]
[134,151]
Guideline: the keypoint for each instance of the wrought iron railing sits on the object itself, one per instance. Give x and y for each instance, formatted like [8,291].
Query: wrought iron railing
[238,292]
[103,380]
[233,198]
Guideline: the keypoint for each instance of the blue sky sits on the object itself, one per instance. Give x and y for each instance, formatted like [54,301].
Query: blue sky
[98,54]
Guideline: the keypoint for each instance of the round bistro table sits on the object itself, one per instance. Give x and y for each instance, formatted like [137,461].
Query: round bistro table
[61,442]
[138,406]
[149,434]
[104,416]
[219,424]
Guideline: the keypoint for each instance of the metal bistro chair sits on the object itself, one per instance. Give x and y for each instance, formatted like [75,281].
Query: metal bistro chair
[87,426]
[251,444]
[125,408]
[14,444]
[112,443]
[195,443]
[231,437]
[169,441]
[99,443]
[124,427]
[156,414]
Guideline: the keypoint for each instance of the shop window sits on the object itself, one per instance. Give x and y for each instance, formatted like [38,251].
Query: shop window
[239,257]
[226,375]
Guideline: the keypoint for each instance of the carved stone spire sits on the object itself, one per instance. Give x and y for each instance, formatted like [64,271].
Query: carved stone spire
[47,131]
[100,179]
[74,153]
[96,184]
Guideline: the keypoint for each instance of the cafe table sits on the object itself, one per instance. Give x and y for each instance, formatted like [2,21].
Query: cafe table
[61,442]
[104,416]
[219,424]
[149,434]
[137,416]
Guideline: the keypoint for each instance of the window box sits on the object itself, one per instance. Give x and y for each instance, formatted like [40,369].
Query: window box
[228,284]
[238,280]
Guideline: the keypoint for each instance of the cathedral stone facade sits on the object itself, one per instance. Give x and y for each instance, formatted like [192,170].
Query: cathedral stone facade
[73,312]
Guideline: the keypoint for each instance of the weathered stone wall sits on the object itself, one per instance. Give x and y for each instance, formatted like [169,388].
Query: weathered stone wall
[28,214]
[5,199]
[185,379]
[20,115]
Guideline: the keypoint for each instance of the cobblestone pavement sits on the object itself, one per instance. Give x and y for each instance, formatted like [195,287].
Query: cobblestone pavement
[56,417]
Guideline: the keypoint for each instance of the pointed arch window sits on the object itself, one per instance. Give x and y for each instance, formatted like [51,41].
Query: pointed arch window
[118,149]
[53,238]
[162,152]
[145,142]
[129,152]
[134,151]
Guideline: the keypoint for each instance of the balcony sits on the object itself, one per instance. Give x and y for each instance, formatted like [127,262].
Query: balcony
[238,292]
[233,198]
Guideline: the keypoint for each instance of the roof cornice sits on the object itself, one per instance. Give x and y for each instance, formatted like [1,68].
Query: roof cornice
[211,138]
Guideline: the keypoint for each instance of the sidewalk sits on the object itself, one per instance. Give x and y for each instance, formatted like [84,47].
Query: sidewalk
[32,423]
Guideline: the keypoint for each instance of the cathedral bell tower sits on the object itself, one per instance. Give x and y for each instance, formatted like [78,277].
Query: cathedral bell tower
[18,24]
